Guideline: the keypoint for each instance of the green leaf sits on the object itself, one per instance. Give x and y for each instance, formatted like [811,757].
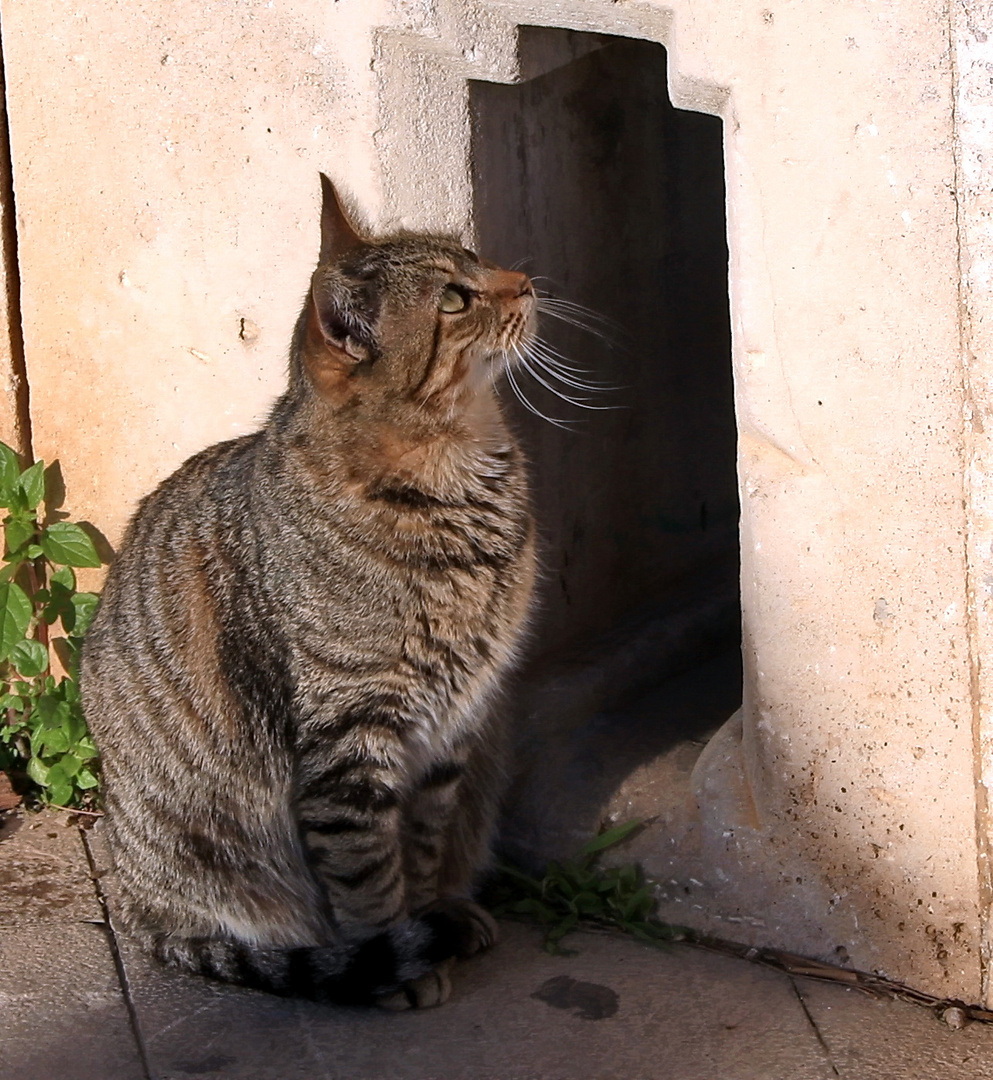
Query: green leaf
[85,749]
[85,606]
[38,771]
[65,577]
[74,727]
[56,774]
[10,470]
[627,878]
[58,602]
[19,500]
[52,711]
[639,905]
[85,779]
[70,765]
[29,657]
[52,741]
[530,906]
[15,614]
[559,931]
[32,483]
[609,838]
[588,903]
[17,532]
[66,543]
[60,793]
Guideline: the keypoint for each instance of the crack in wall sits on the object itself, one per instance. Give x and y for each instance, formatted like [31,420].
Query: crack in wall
[972,466]
[19,389]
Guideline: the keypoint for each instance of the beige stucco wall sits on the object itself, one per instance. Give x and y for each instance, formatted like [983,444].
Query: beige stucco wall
[165,164]
[168,161]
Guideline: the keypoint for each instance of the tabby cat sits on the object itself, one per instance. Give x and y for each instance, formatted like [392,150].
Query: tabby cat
[294,676]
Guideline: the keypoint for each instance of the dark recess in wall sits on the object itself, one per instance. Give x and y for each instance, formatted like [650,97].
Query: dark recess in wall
[590,175]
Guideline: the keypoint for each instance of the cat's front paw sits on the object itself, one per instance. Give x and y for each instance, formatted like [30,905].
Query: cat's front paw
[426,992]
[468,928]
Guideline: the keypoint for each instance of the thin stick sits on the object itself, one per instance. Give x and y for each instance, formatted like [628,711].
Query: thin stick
[76,810]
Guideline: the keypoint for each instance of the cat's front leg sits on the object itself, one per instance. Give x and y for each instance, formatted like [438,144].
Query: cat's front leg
[440,808]
[349,811]
[427,816]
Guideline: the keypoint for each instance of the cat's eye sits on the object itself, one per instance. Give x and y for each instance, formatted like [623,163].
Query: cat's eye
[453,299]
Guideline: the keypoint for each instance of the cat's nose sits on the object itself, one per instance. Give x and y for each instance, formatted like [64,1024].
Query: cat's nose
[512,285]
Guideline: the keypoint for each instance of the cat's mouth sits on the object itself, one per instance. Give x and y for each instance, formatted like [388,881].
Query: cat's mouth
[518,327]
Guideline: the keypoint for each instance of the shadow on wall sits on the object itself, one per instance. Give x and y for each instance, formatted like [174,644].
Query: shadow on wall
[587,174]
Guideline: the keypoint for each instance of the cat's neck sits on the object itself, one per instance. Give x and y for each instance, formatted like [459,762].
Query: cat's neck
[411,449]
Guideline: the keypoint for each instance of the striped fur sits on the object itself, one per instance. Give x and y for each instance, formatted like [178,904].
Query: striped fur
[294,675]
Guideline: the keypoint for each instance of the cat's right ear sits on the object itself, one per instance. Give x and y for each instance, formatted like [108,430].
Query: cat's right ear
[331,351]
[337,235]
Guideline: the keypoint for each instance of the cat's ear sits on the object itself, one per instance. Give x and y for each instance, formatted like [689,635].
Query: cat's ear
[337,235]
[332,350]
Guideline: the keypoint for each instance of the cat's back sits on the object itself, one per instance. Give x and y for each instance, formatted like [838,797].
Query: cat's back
[192,509]
[161,614]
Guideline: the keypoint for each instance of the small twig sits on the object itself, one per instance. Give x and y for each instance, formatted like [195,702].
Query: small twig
[75,810]
[867,982]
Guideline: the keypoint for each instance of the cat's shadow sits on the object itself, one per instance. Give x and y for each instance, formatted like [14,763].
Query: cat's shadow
[631,701]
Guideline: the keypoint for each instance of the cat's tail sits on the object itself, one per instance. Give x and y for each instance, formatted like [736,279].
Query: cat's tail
[358,973]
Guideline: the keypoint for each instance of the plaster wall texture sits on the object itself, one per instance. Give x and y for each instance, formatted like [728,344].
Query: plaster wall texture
[164,162]
[168,226]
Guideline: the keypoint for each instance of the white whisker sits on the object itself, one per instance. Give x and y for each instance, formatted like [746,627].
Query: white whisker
[580,324]
[559,366]
[580,404]
[553,370]
[576,384]
[519,394]
[580,309]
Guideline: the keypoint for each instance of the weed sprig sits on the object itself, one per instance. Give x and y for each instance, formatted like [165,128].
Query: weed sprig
[579,892]
[43,737]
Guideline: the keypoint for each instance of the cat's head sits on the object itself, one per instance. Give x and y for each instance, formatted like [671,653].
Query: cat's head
[407,321]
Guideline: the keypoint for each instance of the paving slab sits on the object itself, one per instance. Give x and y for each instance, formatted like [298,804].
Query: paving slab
[43,870]
[881,1039]
[63,1013]
[615,1010]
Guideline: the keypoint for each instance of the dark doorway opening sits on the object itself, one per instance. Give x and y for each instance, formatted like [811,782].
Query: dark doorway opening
[587,173]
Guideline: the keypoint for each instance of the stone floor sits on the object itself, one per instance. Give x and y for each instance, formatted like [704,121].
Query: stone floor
[75,1003]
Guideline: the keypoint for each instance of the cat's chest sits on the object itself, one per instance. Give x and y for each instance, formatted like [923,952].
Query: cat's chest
[462,601]
[424,595]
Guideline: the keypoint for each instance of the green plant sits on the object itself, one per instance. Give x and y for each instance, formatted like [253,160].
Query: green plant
[579,892]
[44,742]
